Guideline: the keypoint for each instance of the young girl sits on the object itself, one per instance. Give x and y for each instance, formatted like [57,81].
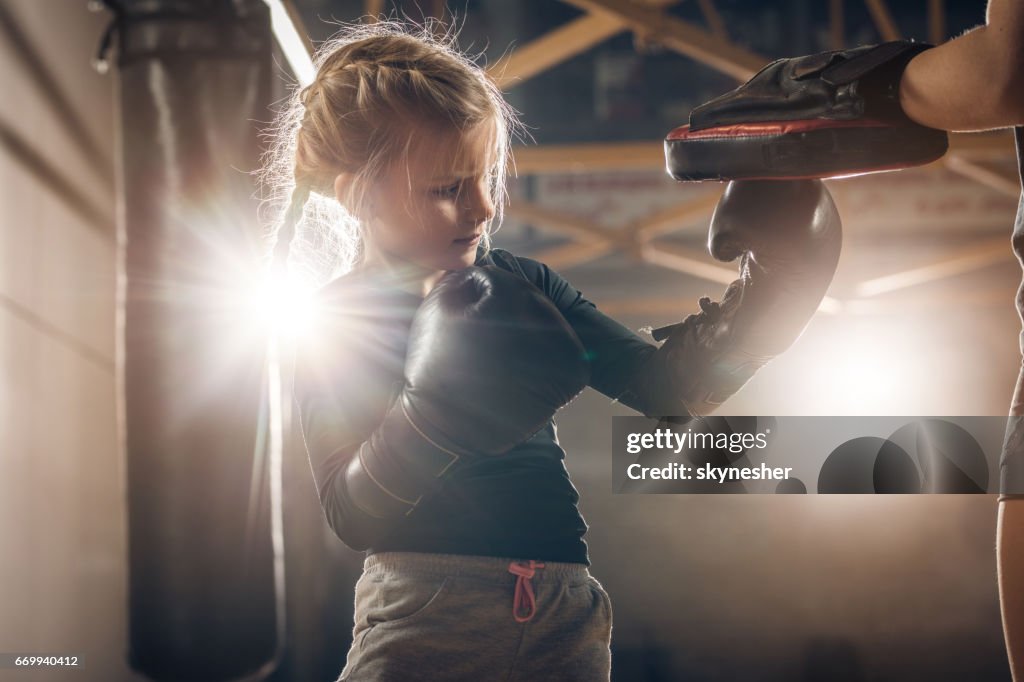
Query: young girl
[423,437]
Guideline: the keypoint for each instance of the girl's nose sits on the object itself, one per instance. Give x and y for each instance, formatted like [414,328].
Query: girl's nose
[477,202]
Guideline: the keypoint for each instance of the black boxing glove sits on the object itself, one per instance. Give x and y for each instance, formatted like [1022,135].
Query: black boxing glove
[490,360]
[823,115]
[788,237]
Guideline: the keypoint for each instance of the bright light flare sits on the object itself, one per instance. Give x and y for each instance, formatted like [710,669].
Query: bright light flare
[867,377]
[855,365]
[280,306]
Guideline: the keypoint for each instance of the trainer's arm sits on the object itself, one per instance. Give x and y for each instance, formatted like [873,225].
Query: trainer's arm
[1010,550]
[975,81]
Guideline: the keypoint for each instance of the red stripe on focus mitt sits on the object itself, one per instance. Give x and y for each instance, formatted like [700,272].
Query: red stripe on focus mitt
[798,150]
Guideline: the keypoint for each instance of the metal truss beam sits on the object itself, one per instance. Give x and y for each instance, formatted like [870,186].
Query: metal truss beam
[693,41]
[553,48]
[982,255]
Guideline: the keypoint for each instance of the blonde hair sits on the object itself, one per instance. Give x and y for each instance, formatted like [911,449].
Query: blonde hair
[375,84]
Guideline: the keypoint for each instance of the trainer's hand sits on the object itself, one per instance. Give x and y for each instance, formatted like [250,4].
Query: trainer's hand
[490,361]
[844,85]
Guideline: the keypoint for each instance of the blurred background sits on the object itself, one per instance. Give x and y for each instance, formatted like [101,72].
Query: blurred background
[704,587]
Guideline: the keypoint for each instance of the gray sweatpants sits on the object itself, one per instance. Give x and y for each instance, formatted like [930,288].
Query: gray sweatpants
[448,617]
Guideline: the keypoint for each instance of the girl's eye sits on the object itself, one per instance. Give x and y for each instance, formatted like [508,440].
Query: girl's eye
[449,191]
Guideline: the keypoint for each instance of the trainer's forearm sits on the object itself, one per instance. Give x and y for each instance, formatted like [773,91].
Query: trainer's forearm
[1010,549]
[973,82]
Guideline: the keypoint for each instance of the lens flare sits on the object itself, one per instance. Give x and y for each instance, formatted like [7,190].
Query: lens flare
[280,307]
[865,366]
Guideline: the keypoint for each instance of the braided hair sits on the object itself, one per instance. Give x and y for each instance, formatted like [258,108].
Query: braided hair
[375,85]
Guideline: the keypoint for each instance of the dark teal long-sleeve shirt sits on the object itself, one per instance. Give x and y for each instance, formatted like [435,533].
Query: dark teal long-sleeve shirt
[519,505]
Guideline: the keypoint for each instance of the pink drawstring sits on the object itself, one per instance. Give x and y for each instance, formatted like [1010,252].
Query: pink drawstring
[525,572]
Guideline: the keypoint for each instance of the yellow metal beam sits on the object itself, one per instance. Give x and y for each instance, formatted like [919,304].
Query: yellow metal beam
[936,21]
[681,36]
[991,145]
[570,255]
[714,19]
[836,28]
[591,244]
[674,217]
[980,256]
[687,261]
[597,241]
[372,10]
[591,157]
[552,48]
[558,45]
[1002,181]
[588,158]
[695,263]
[902,304]
[559,221]
[883,19]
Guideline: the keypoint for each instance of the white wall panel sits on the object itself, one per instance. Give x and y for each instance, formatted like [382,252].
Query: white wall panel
[62,525]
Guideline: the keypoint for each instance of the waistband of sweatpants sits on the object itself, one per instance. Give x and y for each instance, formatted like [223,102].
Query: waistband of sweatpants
[483,568]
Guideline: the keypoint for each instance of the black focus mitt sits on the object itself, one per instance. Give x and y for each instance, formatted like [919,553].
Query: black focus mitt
[825,115]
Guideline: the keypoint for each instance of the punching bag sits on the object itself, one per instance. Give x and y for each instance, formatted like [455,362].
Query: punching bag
[194,81]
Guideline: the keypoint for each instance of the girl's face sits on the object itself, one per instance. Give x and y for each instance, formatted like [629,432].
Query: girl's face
[427,214]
